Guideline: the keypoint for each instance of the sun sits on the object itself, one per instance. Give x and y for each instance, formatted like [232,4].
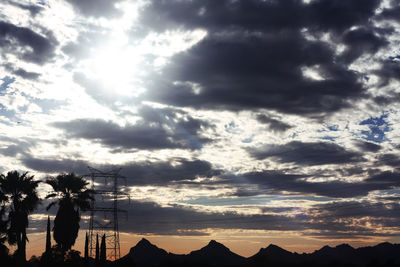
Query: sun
[116,67]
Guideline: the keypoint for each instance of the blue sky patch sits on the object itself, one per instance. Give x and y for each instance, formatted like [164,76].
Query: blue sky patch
[6,82]
[378,126]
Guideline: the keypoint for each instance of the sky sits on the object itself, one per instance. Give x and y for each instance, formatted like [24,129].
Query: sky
[246,121]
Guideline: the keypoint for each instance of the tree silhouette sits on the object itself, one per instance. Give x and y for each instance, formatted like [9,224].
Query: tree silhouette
[3,222]
[97,249]
[103,253]
[86,247]
[48,237]
[72,195]
[3,227]
[22,199]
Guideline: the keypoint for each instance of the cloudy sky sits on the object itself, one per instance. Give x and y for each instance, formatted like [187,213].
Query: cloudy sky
[246,121]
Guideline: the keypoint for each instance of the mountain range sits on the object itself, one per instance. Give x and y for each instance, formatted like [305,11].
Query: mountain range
[145,253]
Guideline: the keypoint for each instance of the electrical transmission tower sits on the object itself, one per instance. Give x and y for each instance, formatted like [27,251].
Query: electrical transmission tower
[108,223]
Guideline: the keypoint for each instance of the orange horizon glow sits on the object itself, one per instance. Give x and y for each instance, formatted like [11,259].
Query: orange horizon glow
[237,241]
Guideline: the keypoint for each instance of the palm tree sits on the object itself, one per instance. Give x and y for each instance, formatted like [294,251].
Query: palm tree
[72,195]
[3,225]
[22,199]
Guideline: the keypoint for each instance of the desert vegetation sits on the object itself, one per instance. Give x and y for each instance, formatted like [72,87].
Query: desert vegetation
[19,198]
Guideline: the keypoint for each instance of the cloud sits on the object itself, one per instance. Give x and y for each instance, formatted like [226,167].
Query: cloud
[138,173]
[356,209]
[254,15]
[284,56]
[96,8]
[273,124]
[164,130]
[368,146]
[308,154]
[361,41]
[355,219]
[388,71]
[32,9]
[236,72]
[276,182]
[390,160]
[22,72]
[12,150]
[26,44]
[391,13]
[165,172]
[151,218]
[55,165]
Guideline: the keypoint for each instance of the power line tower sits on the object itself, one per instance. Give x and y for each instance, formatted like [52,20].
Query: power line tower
[108,223]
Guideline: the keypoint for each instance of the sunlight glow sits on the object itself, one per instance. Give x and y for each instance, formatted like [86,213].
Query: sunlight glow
[116,67]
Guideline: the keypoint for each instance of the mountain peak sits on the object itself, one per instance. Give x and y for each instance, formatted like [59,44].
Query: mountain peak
[214,243]
[273,250]
[345,246]
[145,246]
[215,253]
[144,242]
[145,251]
[272,246]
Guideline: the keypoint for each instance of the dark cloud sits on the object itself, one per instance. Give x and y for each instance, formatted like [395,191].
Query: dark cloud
[159,129]
[13,147]
[21,72]
[318,153]
[340,15]
[96,8]
[390,160]
[151,218]
[389,70]
[354,219]
[388,99]
[388,178]
[26,44]
[334,219]
[26,74]
[255,54]
[163,173]
[356,209]
[55,165]
[361,41]
[256,15]
[273,124]
[145,173]
[276,182]
[11,151]
[391,13]
[368,146]
[238,72]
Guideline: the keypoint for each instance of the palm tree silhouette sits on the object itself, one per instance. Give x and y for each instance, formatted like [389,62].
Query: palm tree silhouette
[22,199]
[71,195]
[3,225]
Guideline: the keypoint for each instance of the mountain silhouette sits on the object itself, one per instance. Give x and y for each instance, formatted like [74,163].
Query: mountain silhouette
[273,254]
[215,254]
[340,253]
[145,253]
